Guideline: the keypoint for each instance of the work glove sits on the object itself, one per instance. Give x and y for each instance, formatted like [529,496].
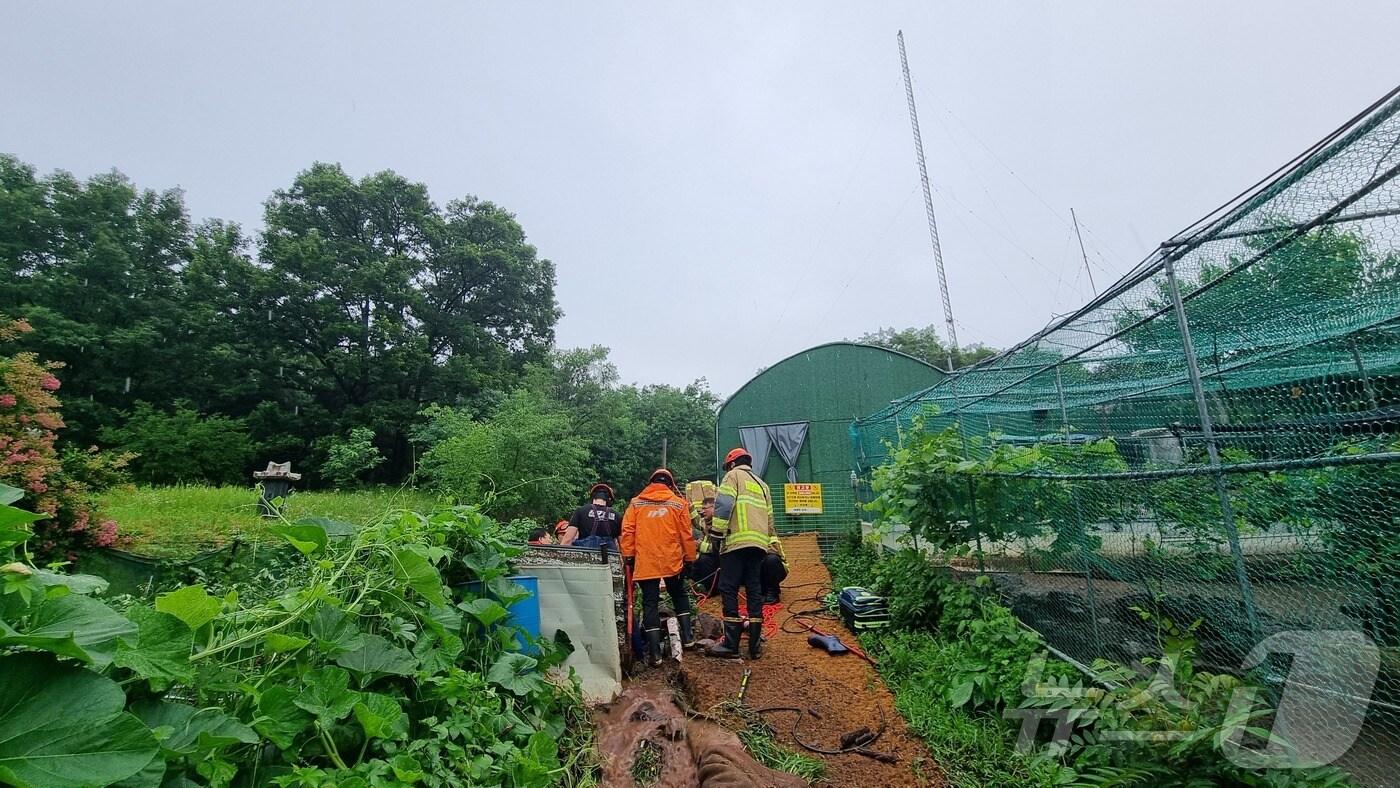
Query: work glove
[688,569]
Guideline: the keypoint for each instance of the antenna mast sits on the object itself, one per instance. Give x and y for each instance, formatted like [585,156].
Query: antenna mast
[928,206]
[1083,253]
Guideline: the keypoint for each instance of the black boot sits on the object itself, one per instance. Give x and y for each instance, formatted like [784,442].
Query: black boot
[653,647]
[687,631]
[728,649]
[755,639]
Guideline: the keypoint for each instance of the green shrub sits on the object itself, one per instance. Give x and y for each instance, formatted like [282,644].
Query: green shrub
[349,458]
[183,446]
[525,459]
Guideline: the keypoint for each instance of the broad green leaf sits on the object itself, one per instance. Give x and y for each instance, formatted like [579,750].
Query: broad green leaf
[279,718]
[414,571]
[334,630]
[437,652]
[162,647]
[74,626]
[62,725]
[381,717]
[190,604]
[326,693]
[487,611]
[375,657]
[150,777]
[12,518]
[278,642]
[78,584]
[307,537]
[506,591]
[406,768]
[335,529]
[515,672]
[961,694]
[9,495]
[9,537]
[188,730]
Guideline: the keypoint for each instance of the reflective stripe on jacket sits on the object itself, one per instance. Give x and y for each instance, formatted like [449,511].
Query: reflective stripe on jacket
[656,531]
[743,511]
[776,547]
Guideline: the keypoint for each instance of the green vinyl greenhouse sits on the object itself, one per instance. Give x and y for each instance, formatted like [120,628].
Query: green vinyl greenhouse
[795,418]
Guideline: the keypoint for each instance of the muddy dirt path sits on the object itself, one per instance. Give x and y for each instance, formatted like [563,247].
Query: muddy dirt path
[834,694]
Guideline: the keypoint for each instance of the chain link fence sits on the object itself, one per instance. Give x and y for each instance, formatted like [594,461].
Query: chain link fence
[1216,437]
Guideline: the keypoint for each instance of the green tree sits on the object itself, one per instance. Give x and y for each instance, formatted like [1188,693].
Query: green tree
[381,303]
[525,458]
[925,345]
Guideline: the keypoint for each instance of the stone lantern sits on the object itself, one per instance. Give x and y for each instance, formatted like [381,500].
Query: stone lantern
[275,482]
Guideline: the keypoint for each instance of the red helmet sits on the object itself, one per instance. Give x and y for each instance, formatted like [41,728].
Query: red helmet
[735,454]
[664,476]
[561,526]
[601,488]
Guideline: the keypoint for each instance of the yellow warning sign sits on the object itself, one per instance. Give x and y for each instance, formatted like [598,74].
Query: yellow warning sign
[802,498]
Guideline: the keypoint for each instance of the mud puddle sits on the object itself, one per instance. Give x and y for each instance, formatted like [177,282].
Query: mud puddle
[647,739]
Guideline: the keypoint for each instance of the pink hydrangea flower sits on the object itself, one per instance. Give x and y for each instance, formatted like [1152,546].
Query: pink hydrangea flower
[8,401]
[106,533]
[49,383]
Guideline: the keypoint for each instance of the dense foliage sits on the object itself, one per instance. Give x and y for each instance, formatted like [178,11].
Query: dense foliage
[358,661]
[358,305]
[958,662]
[925,345]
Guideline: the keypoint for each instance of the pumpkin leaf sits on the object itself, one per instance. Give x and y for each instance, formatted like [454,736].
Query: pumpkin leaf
[62,725]
[190,604]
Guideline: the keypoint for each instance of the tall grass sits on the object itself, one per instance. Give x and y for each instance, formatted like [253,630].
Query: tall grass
[185,519]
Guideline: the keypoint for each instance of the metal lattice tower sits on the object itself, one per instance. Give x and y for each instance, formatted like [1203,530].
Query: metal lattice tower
[928,206]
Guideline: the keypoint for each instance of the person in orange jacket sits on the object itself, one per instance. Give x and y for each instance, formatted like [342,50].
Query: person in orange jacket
[658,546]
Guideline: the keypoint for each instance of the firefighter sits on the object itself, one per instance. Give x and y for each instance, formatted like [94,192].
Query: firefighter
[774,572]
[657,545]
[744,520]
[705,573]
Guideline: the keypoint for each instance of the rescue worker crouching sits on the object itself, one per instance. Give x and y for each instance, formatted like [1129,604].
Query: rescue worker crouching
[658,546]
[701,495]
[743,518]
[775,571]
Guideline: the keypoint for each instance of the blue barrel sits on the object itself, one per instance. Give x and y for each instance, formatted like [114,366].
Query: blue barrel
[524,614]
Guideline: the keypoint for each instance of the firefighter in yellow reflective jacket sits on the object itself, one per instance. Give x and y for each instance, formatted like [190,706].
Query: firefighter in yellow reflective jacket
[744,520]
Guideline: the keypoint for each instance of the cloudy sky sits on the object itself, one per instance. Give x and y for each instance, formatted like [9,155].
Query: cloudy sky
[720,184]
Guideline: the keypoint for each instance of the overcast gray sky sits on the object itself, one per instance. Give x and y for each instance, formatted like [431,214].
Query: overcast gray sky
[713,172]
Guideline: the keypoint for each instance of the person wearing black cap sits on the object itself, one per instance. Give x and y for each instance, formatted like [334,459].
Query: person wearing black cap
[596,523]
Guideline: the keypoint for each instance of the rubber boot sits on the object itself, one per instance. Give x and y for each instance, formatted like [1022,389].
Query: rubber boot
[653,647]
[729,649]
[687,631]
[755,639]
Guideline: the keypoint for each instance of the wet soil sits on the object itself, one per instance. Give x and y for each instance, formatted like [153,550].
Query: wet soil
[675,723]
[647,719]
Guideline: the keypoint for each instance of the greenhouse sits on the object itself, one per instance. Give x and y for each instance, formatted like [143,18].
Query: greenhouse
[795,418]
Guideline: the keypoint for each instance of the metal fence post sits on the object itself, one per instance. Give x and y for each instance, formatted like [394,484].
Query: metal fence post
[1227,511]
[1084,526]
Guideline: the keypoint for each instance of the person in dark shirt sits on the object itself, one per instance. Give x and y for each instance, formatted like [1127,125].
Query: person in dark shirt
[597,523]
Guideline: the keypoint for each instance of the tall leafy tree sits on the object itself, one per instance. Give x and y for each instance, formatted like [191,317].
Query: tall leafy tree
[382,303]
[925,345]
